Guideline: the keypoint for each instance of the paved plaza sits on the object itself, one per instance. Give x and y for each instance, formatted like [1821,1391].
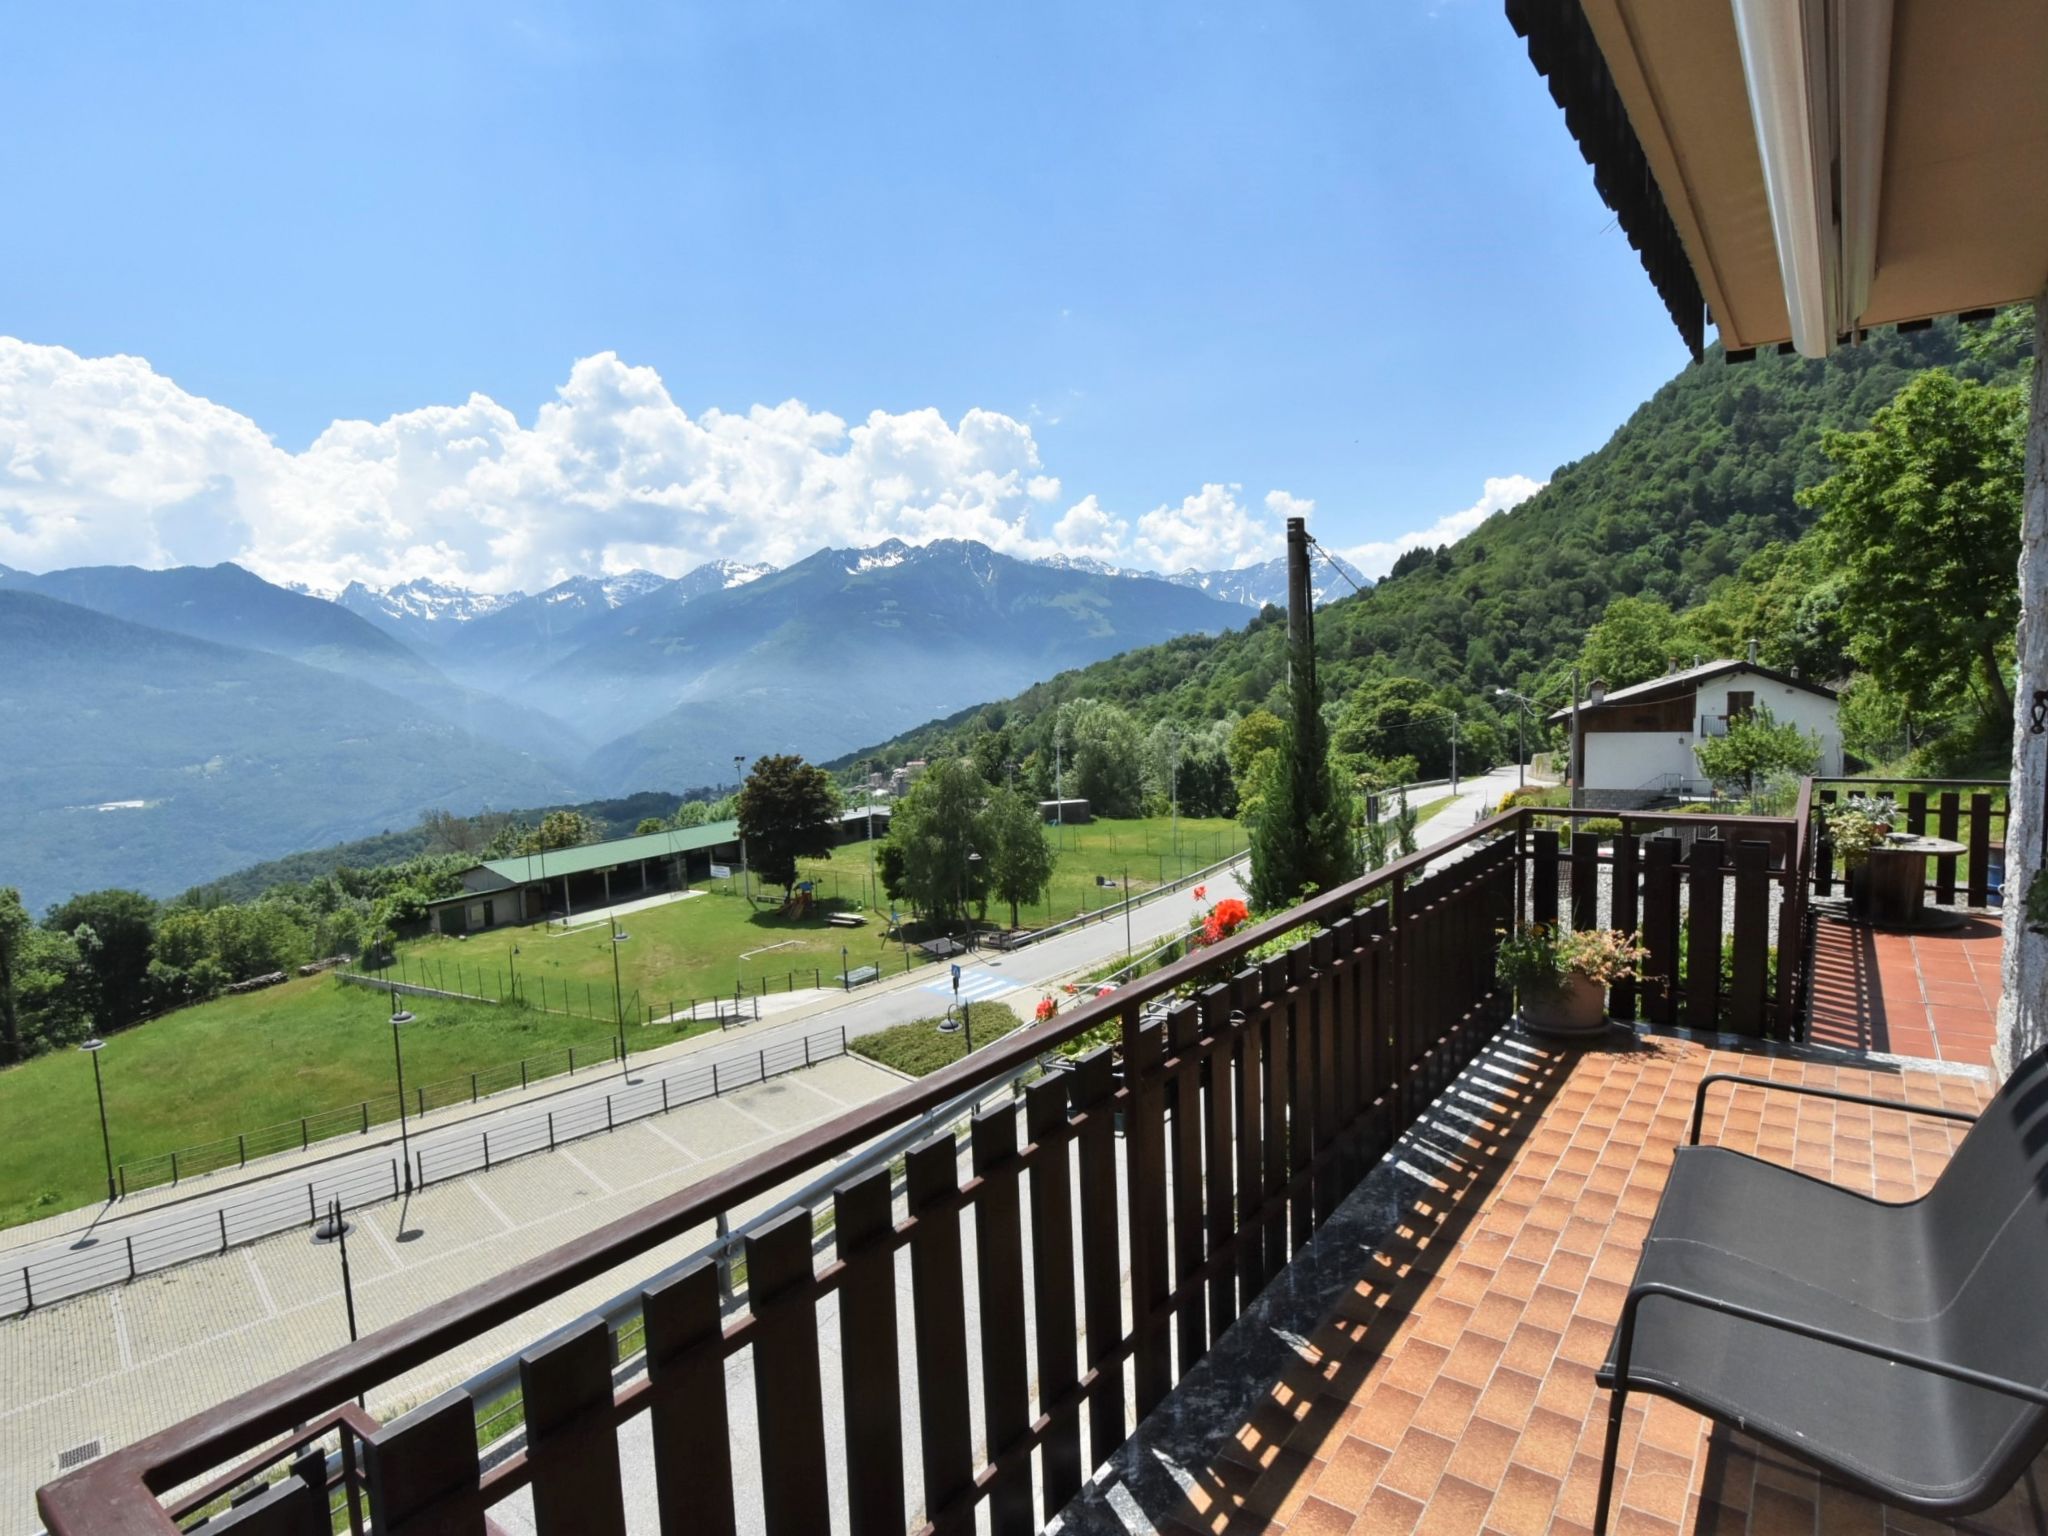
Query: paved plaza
[121,1363]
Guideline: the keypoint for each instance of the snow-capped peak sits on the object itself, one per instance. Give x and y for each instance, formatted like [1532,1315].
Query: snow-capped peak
[425,600]
[889,552]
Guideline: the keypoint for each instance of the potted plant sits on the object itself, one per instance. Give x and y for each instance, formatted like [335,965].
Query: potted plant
[1561,977]
[1854,828]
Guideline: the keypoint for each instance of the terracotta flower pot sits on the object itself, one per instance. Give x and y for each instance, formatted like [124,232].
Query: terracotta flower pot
[1576,1010]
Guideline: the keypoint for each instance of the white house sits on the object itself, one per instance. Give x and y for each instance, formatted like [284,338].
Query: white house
[1636,743]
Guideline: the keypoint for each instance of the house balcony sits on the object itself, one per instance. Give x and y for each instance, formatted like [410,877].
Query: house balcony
[1321,1241]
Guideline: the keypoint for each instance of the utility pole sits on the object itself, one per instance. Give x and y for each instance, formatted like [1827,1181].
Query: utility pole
[1454,752]
[1173,795]
[1577,764]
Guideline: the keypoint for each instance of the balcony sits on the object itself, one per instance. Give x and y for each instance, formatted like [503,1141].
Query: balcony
[1321,1242]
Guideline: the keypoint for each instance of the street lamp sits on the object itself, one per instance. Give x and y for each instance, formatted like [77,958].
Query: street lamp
[398,1058]
[1521,738]
[739,769]
[619,936]
[92,1048]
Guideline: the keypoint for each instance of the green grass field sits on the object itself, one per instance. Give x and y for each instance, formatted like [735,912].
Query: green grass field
[240,1063]
[243,1063]
[1148,849]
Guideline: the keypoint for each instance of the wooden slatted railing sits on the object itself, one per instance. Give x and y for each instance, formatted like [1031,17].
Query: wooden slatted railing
[1973,812]
[1109,1226]
[1721,914]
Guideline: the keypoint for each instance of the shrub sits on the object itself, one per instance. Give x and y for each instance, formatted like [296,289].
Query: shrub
[918,1048]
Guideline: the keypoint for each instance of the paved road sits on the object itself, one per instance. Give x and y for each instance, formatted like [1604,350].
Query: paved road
[1477,799]
[70,1257]
[80,1258]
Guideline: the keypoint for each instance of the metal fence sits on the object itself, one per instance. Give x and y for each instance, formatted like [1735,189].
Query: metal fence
[244,1147]
[98,1260]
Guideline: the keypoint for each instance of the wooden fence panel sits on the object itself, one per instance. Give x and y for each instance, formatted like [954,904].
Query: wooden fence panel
[1980,848]
[1749,985]
[1947,824]
[999,1271]
[1621,999]
[1052,1288]
[1327,1025]
[789,1407]
[1144,1111]
[1251,1151]
[864,1235]
[420,1468]
[1703,920]
[1585,880]
[1301,1096]
[1543,872]
[290,1508]
[940,1324]
[1219,1101]
[1184,1139]
[1824,849]
[1660,930]
[687,1407]
[1101,1269]
[1275,1058]
[565,1387]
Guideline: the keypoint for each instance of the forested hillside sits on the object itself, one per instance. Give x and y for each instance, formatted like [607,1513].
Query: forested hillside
[1700,479]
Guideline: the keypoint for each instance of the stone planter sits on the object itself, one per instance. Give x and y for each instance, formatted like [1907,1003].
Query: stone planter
[1577,1010]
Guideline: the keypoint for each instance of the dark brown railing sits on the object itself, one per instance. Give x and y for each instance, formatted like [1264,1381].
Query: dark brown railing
[1247,1111]
[1721,911]
[1974,812]
[1123,1214]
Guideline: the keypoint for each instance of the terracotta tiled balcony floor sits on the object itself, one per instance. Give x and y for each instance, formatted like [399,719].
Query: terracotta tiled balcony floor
[1451,1391]
[1932,995]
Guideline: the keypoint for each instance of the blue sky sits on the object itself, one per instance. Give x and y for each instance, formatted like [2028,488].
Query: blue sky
[1348,252]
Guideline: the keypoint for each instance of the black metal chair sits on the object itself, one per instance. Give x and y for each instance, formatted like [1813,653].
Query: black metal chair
[1899,1348]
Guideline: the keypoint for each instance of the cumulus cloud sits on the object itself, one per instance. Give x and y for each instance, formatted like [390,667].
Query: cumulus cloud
[1210,530]
[104,460]
[1376,557]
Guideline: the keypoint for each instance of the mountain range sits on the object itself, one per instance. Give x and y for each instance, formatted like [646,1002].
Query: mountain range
[171,725]
[1702,478]
[1255,586]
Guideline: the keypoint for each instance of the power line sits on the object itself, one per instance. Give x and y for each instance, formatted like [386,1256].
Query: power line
[1336,565]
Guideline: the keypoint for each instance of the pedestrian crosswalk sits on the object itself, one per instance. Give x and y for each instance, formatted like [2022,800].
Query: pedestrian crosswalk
[976,986]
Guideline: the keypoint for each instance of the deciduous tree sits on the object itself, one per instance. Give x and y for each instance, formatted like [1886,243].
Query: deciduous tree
[788,810]
[560,829]
[123,925]
[1020,857]
[932,835]
[1756,750]
[14,925]
[1923,515]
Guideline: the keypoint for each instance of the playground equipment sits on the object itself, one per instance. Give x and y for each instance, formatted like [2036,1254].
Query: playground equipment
[799,903]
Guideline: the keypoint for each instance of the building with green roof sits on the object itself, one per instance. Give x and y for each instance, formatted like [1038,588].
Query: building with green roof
[562,882]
